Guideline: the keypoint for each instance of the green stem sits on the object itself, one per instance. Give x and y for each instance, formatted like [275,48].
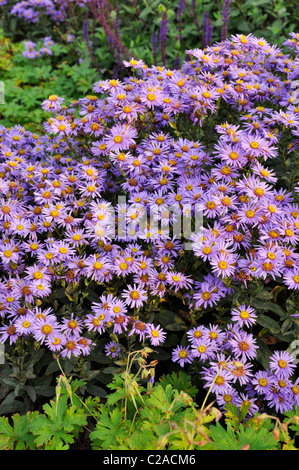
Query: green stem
[209,391]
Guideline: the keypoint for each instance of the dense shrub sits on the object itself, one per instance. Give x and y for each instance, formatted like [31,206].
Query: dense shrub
[95,259]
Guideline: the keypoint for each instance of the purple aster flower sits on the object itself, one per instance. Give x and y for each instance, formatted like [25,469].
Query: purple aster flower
[71,325]
[25,324]
[220,381]
[203,349]
[112,349]
[257,146]
[61,127]
[291,278]
[178,280]
[54,343]
[262,382]
[295,391]
[230,396]
[243,345]
[241,371]
[45,329]
[121,137]
[134,296]
[223,264]
[155,334]
[9,331]
[71,347]
[41,288]
[196,333]
[244,315]
[281,400]
[85,345]
[282,364]
[182,355]
[120,323]
[117,307]
[214,334]
[139,328]
[97,321]
[205,295]
[249,214]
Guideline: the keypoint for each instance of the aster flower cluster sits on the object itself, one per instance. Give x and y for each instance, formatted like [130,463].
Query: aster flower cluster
[98,198]
[226,356]
[31,11]
[31,52]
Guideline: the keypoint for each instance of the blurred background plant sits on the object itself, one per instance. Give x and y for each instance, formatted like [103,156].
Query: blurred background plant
[90,39]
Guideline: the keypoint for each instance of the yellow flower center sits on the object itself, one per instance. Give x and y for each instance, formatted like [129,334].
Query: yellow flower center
[254,145]
[219,380]
[47,329]
[206,295]
[282,364]
[151,97]
[183,354]
[250,214]
[244,314]
[244,346]
[222,264]
[211,205]
[259,192]
[123,266]
[98,266]
[263,382]
[38,275]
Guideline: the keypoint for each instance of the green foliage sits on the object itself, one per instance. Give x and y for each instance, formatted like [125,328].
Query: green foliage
[180,381]
[17,436]
[261,432]
[156,420]
[58,427]
[29,82]
[137,416]
[245,438]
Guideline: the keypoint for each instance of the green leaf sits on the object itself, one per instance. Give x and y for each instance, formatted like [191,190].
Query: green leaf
[263,353]
[109,428]
[268,323]
[31,392]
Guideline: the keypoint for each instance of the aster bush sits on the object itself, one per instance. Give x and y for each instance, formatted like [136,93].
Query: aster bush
[161,211]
